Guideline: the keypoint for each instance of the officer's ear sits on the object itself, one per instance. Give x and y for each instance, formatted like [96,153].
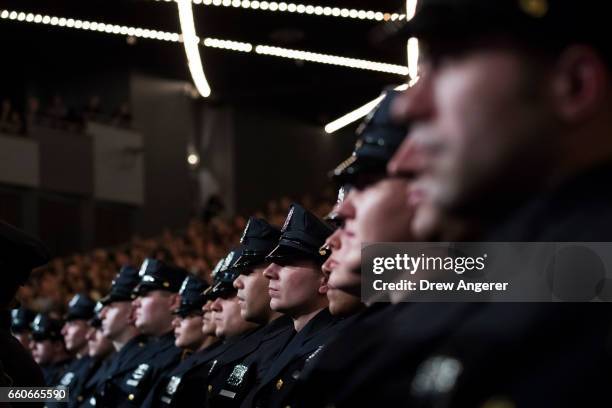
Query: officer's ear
[580,85]
[175,301]
[323,280]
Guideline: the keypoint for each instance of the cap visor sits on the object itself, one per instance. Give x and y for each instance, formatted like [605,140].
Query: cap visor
[288,251]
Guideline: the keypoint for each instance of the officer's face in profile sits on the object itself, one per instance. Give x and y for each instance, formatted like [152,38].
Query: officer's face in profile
[341,302]
[208,324]
[116,318]
[44,351]
[188,332]
[479,123]
[99,346]
[227,317]
[75,335]
[153,312]
[373,212]
[253,296]
[296,287]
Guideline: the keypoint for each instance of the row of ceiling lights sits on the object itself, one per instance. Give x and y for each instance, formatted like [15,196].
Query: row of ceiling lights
[207,42]
[284,7]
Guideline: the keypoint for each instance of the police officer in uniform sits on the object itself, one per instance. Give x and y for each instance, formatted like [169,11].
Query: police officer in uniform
[240,369]
[297,288]
[541,71]
[341,302]
[118,326]
[75,329]
[48,348]
[19,254]
[187,385]
[188,335]
[156,297]
[100,349]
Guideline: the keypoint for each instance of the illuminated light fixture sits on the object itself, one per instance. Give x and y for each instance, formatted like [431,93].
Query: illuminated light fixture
[410,9]
[413,58]
[89,25]
[227,45]
[193,159]
[300,9]
[190,42]
[357,113]
[332,60]
[412,48]
[210,42]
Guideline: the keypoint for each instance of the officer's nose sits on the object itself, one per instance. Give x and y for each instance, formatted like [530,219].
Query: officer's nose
[271,272]
[416,103]
[207,306]
[136,303]
[346,209]
[64,329]
[238,283]
[407,161]
[333,241]
[216,305]
[176,322]
[102,313]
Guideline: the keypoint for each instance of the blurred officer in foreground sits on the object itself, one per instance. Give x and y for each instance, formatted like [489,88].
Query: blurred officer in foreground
[75,329]
[19,254]
[48,348]
[188,381]
[118,327]
[511,123]
[156,298]
[240,369]
[21,321]
[298,289]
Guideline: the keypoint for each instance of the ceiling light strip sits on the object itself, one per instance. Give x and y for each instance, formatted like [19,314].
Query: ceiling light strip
[190,42]
[283,7]
[207,42]
[331,59]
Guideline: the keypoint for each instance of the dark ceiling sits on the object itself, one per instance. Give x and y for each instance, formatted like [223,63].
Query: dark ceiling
[313,92]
